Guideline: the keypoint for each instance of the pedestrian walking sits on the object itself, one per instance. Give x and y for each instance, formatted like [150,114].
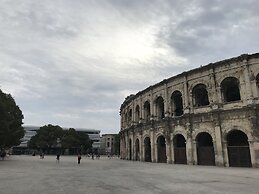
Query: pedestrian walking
[58,158]
[78,158]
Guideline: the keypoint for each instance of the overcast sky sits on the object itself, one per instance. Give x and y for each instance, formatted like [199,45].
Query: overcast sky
[73,62]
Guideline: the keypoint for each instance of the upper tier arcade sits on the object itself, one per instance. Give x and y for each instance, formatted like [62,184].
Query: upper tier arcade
[225,85]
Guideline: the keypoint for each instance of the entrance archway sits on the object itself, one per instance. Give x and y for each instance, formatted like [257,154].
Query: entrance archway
[205,149]
[179,149]
[137,153]
[130,149]
[238,149]
[147,148]
[161,149]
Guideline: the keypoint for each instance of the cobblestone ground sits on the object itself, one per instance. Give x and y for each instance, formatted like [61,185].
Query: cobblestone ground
[31,175]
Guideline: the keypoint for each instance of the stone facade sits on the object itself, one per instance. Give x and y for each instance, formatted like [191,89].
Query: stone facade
[206,116]
[107,144]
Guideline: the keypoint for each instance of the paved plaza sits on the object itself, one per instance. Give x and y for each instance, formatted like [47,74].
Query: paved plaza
[31,175]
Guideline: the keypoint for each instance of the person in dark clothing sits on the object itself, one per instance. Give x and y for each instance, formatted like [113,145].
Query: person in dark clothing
[58,157]
[78,158]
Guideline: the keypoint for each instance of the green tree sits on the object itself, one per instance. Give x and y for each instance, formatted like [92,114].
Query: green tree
[70,139]
[85,141]
[46,137]
[76,140]
[11,130]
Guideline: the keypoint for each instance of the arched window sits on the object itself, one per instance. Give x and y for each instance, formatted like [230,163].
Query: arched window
[230,89]
[160,110]
[130,115]
[137,113]
[200,95]
[177,103]
[147,111]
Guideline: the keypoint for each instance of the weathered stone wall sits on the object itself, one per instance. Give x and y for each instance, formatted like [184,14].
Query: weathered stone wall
[211,107]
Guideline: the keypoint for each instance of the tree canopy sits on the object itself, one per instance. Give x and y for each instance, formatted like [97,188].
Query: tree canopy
[11,130]
[47,136]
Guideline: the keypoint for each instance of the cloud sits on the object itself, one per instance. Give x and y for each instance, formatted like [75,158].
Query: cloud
[73,63]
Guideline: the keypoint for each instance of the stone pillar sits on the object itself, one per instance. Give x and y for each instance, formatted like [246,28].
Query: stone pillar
[252,153]
[255,89]
[127,147]
[141,147]
[186,96]
[141,110]
[220,100]
[189,150]
[166,104]
[152,106]
[143,152]
[153,147]
[214,91]
[189,145]
[248,89]
[133,120]
[225,153]
[168,151]
[133,147]
[172,151]
[195,155]
[155,152]
[218,147]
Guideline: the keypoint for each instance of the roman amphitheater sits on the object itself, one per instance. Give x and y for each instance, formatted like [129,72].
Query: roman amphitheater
[206,116]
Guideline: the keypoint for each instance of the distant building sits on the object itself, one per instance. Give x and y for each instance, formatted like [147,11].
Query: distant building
[107,144]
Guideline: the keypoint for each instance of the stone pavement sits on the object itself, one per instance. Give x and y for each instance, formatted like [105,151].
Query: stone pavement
[31,175]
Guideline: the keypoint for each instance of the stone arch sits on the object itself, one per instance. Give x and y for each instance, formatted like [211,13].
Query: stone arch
[239,128]
[179,132]
[205,149]
[147,149]
[238,149]
[161,149]
[177,103]
[200,95]
[160,107]
[179,142]
[130,149]
[147,110]
[137,113]
[137,150]
[198,131]
[230,89]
